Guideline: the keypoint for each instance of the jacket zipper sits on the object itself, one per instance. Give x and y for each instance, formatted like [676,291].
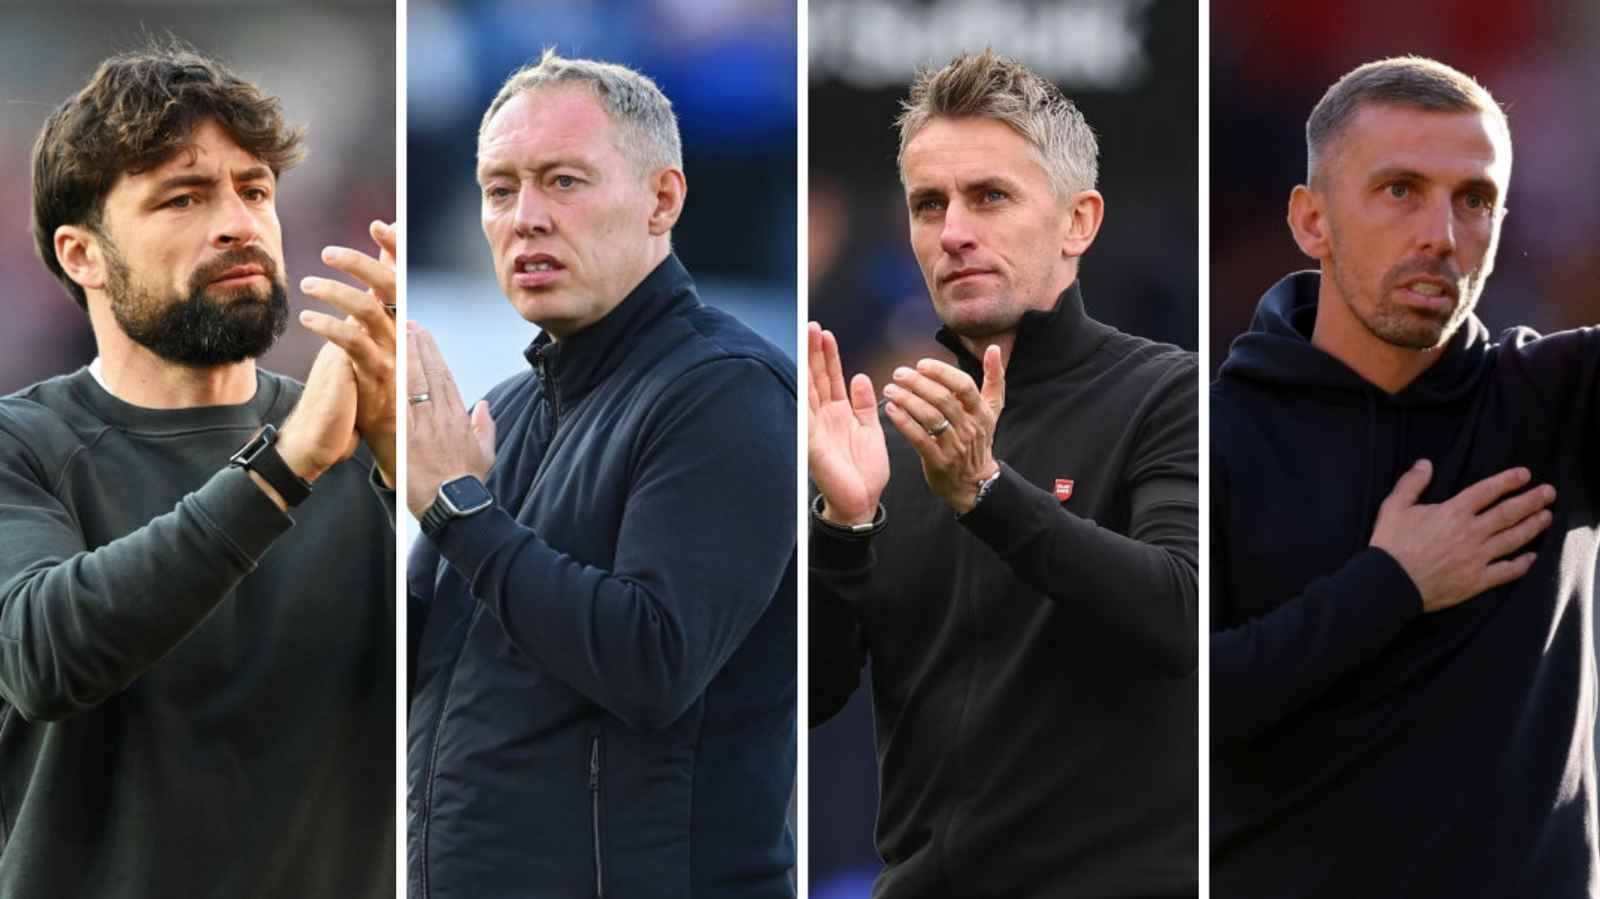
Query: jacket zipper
[594,816]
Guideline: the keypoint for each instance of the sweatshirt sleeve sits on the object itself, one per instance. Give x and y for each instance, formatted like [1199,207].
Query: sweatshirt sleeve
[79,625]
[705,539]
[1140,589]
[1266,668]
[839,568]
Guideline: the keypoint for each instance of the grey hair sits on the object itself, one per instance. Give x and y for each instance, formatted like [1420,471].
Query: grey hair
[994,87]
[647,129]
[1408,81]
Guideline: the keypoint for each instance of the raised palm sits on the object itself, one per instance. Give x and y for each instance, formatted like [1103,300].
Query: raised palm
[844,440]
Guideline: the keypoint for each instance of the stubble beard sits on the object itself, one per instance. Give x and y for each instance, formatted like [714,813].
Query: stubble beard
[200,330]
[1405,327]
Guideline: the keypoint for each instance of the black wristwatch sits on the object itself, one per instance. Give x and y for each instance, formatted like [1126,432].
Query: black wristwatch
[457,499]
[260,455]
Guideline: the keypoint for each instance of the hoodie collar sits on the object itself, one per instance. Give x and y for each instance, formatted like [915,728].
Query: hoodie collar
[582,360]
[1278,350]
[1048,342]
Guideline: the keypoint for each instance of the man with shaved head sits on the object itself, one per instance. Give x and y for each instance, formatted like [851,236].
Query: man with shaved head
[1403,534]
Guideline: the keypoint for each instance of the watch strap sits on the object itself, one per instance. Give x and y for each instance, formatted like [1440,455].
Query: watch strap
[260,455]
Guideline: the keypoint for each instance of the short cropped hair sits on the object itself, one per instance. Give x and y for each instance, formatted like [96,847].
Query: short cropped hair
[1408,81]
[647,129]
[138,110]
[994,87]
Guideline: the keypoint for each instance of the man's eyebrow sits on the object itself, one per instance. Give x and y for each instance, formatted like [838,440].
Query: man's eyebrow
[1404,173]
[188,180]
[494,167]
[196,179]
[992,182]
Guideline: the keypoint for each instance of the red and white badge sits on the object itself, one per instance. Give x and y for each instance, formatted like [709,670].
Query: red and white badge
[1063,489]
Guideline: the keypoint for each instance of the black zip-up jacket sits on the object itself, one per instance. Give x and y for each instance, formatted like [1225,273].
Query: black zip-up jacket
[1360,747]
[1033,661]
[604,662]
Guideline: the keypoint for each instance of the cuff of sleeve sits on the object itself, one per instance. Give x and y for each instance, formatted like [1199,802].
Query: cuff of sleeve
[467,542]
[1390,598]
[1003,505]
[246,518]
[831,552]
[386,494]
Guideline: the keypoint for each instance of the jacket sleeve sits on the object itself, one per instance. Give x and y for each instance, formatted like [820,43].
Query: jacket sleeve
[838,569]
[422,564]
[705,539]
[79,625]
[1140,589]
[1266,668]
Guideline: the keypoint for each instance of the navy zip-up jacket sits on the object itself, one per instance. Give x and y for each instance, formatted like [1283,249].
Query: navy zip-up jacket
[1360,747]
[604,662]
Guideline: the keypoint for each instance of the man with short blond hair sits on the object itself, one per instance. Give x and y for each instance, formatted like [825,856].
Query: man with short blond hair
[1025,586]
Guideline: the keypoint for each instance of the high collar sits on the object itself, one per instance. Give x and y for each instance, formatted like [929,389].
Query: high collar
[1048,342]
[578,362]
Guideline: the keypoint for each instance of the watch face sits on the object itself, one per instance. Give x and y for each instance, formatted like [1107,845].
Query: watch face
[465,495]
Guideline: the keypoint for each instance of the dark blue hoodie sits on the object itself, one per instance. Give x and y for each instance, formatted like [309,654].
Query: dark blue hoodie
[604,687]
[1360,747]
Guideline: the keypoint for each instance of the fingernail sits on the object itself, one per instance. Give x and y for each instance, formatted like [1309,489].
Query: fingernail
[310,283]
[329,254]
[902,373]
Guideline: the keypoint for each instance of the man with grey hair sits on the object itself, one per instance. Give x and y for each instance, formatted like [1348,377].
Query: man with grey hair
[603,602]
[1402,654]
[1028,603]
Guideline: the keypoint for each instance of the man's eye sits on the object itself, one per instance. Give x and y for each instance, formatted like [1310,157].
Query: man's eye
[565,181]
[1398,191]
[182,202]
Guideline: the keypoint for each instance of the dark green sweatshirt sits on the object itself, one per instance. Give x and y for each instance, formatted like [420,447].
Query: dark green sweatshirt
[196,689]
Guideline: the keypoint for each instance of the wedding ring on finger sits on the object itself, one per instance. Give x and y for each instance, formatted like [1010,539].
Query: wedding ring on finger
[940,428]
[392,308]
[418,398]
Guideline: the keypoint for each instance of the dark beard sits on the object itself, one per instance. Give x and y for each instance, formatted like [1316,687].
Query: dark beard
[201,331]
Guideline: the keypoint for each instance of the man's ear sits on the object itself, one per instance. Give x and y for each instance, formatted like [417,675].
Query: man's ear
[1085,211]
[82,256]
[1308,223]
[669,188]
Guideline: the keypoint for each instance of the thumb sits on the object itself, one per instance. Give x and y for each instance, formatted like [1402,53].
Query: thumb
[483,428]
[994,379]
[864,401]
[1409,488]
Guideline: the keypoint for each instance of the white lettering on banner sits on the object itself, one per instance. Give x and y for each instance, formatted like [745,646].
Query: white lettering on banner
[1078,44]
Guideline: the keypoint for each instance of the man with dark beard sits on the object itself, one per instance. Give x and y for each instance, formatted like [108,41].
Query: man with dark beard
[196,689]
[1402,650]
